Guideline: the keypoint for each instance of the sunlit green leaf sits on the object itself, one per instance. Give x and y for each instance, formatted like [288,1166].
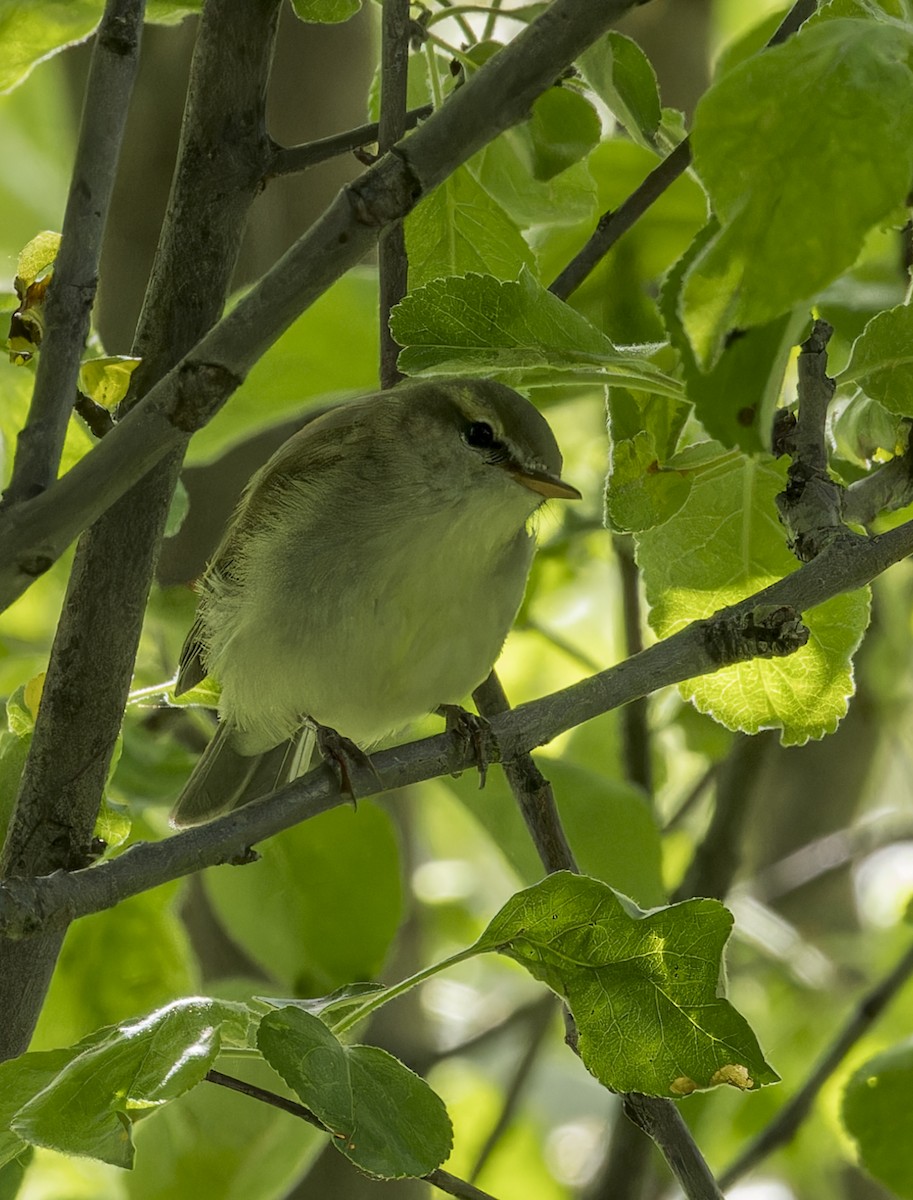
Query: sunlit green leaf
[474,323]
[459,228]
[32,32]
[325,11]
[794,208]
[735,397]
[641,489]
[724,544]
[882,360]
[621,75]
[383,1117]
[91,1091]
[106,380]
[35,258]
[642,986]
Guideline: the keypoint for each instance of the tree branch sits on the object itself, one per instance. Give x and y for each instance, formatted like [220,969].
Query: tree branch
[786,1123]
[695,650]
[530,788]
[443,1180]
[290,160]
[498,95]
[71,294]
[92,659]
[393,267]
[811,507]
[663,1122]
[884,490]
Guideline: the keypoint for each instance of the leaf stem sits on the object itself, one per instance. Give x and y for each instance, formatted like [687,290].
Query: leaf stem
[378,999]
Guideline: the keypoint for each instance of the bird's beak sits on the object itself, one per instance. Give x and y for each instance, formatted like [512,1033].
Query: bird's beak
[543,482]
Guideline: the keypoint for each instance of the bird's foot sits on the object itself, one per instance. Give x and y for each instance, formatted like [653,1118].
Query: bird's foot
[343,757]
[473,732]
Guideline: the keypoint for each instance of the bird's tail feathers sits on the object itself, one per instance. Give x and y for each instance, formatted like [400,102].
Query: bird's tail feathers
[223,779]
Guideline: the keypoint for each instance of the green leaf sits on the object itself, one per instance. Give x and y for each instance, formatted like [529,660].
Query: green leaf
[320,12]
[827,115]
[474,324]
[881,362]
[30,33]
[322,936]
[36,258]
[621,75]
[876,1111]
[12,1176]
[83,1099]
[642,986]
[460,227]
[106,380]
[864,431]
[736,397]
[606,820]
[146,939]
[563,128]
[383,1117]
[212,1144]
[330,351]
[641,489]
[504,169]
[726,543]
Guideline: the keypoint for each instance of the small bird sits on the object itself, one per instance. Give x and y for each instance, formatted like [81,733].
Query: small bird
[369,576]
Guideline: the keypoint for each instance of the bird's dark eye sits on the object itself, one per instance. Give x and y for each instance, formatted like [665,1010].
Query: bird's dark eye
[480,435]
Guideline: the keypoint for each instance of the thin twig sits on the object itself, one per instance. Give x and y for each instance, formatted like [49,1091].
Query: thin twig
[635,728]
[292,1107]
[614,223]
[716,857]
[786,1123]
[393,266]
[531,789]
[541,1020]
[27,904]
[115,57]
[811,506]
[451,1184]
[446,7]
[290,160]
[883,490]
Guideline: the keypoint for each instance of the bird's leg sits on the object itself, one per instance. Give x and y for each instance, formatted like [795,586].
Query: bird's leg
[342,756]
[473,731]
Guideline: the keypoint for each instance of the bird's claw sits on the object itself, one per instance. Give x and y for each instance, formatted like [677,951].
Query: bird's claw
[474,733]
[343,757]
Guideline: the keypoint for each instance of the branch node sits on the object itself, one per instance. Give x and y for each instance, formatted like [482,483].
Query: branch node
[765,631]
[202,388]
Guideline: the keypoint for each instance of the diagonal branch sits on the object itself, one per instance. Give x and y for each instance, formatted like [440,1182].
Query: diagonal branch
[290,160]
[27,904]
[115,56]
[785,1125]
